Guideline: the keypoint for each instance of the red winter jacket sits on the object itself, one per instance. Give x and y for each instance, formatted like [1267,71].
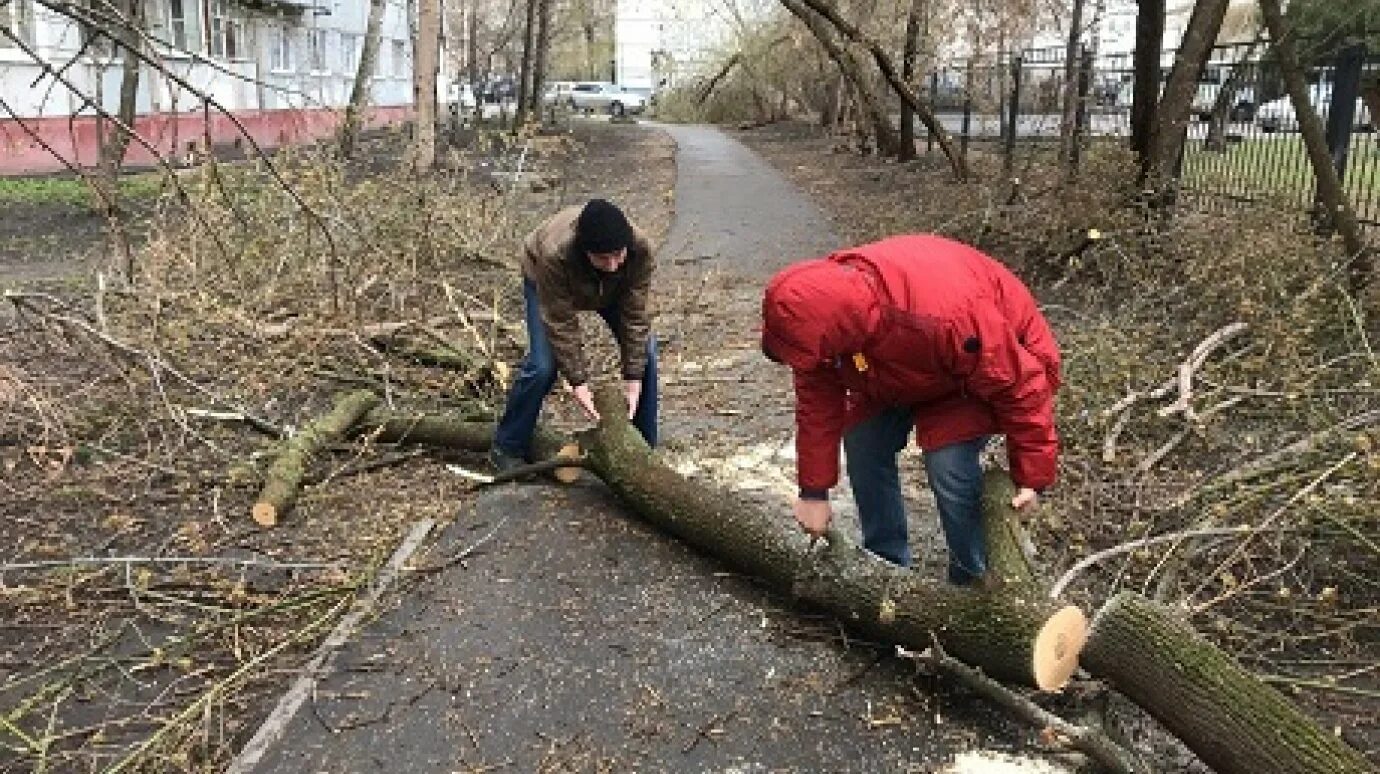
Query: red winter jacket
[918,321]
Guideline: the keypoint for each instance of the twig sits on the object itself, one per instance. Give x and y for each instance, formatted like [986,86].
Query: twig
[1057,589]
[23,300]
[1194,362]
[131,560]
[1253,531]
[1089,741]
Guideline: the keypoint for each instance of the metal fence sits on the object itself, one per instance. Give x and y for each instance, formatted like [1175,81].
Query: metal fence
[1243,138]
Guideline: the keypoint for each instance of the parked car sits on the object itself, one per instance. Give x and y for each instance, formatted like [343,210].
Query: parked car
[557,93]
[606,97]
[1278,115]
[1215,77]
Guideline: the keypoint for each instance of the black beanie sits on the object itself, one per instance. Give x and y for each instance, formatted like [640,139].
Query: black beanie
[602,228]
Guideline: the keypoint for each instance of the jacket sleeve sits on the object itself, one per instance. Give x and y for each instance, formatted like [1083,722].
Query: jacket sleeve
[562,326]
[1017,386]
[819,420]
[635,318]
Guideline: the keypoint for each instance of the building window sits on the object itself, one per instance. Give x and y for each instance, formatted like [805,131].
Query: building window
[280,48]
[179,24]
[17,19]
[349,53]
[227,31]
[316,44]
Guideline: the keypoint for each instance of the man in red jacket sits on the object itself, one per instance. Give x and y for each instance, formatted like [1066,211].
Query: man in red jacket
[913,331]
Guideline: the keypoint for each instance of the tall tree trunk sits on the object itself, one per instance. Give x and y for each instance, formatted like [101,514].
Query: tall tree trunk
[1068,128]
[908,55]
[543,51]
[472,59]
[525,72]
[427,44]
[1171,125]
[1334,200]
[853,71]
[127,40]
[1146,90]
[364,76]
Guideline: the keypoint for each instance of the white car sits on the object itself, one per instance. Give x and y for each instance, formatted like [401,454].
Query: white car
[606,97]
[1278,115]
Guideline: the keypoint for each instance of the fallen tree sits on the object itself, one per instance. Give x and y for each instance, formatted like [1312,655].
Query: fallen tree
[1009,628]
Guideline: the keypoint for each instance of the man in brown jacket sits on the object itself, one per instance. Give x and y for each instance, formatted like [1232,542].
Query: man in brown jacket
[584,258]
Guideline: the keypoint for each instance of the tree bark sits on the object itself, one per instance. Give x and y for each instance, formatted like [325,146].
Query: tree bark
[1171,126]
[284,478]
[853,71]
[713,82]
[1068,124]
[1234,722]
[883,62]
[525,72]
[116,142]
[908,56]
[1146,91]
[543,52]
[427,44]
[364,77]
[1338,208]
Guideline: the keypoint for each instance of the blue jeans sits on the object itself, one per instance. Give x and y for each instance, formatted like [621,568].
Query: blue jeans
[537,375]
[955,476]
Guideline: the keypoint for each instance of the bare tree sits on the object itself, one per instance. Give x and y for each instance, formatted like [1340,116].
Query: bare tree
[540,59]
[1146,90]
[115,140]
[882,130]
[826,10]
[1068,124]
[364,76]
[908,56]
[1171,127]
[427,44]
[1337,208]
[525,73]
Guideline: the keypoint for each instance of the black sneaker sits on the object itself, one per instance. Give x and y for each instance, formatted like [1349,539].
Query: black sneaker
[503,461]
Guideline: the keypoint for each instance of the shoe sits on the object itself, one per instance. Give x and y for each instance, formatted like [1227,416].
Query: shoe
[504,462]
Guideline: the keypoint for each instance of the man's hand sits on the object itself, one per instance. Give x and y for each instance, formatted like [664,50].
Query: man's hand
[1025,497]
[813,516]
[634,389]
[586,400]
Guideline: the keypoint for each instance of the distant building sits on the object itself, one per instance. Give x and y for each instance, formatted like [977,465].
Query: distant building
[662,43]
[284,68]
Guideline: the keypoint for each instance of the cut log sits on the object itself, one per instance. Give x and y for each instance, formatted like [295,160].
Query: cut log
[1013,633]
[1234,722]
[284,478]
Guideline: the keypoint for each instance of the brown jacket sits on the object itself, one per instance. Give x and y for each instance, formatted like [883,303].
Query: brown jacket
[567,283]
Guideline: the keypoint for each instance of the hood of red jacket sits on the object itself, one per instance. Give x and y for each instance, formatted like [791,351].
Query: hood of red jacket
[815,311]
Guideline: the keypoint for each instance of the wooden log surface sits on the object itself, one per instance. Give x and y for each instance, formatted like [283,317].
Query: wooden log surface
[1000,631]
[1230,719]
[284,478]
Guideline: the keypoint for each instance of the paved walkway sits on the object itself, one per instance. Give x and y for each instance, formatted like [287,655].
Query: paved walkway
[578,639]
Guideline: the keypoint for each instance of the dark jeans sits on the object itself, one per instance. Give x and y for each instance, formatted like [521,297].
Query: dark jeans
[537,375]
[955,475]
